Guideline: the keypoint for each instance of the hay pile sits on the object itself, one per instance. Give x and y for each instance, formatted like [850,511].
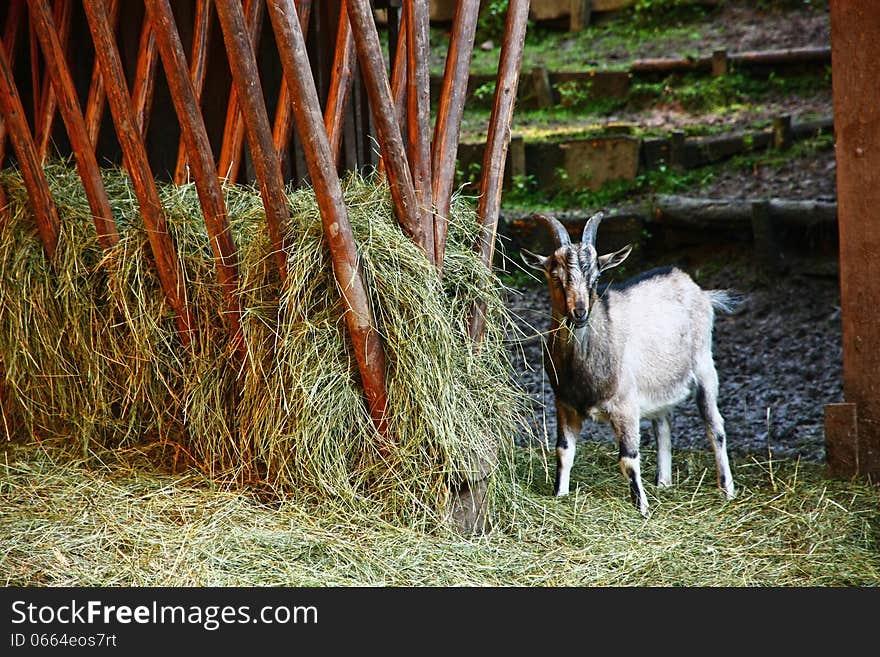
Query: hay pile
[90,351]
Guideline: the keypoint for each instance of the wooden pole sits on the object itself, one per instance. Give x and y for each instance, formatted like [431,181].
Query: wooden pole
[337,229]
[282,129]
[233,132]
[419,117]
[61,18]
[68,103]
[144,77]
[340,83]
[246,81]
[498,141]
[168,266]
[198,148]
[449,111]
[45,212]
[97,96]
[366,40]
[854,429]
[198,70]
[10,38]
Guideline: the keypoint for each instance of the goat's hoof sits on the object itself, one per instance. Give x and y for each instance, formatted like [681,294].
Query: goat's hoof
[729,492]
[561,493]
[664,483]
[644,510]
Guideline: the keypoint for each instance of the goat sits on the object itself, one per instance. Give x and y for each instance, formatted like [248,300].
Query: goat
[634,351]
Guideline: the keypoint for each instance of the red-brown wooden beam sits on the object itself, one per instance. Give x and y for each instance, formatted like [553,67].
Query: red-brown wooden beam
[97,96]
[372,63]
[450,107]
[68,103]
[45,212]
[267,165]
[144,77]
[340,82]
[36,86]
[10,38]
[282,129]
[49,103]
[419,113]
[398,79]
[233,132]
[853,429]
[198,71]
[168,266]
[498,140]
[201,160]
[337,229]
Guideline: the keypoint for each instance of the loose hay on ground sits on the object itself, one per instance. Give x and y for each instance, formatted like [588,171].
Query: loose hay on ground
[85,523]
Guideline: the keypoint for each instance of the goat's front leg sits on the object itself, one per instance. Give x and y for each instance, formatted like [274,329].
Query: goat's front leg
[626,426]
[568,428]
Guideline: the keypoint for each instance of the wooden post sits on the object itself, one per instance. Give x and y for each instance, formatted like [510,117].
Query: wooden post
[766,246]
[144,78]
[61,18]
[449,111]
[369,51]
[45,212]
[197,72]
[233,132]
[168,266]
[246,80]
[97,95]
[497,142]
[340,82]
[10,38]
[419,110]
[782,132]
[337,229]
[855,44]
[719,63]
[198,148]
[65,93]
[579,17]
[398,72]
[283,127]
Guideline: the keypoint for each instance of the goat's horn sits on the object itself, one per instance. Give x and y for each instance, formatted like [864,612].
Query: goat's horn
[557,230]
[591,228]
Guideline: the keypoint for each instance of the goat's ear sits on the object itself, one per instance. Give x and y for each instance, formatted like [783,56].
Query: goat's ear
[613,259]
[533,260]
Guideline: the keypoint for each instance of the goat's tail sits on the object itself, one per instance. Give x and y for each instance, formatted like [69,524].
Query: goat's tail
[727,301]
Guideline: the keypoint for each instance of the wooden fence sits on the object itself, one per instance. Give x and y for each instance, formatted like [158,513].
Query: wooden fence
[246,90]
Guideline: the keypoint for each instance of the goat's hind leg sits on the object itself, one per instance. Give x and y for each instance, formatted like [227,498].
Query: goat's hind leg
[663,434]
[568,428]
[707,402]
[627,430]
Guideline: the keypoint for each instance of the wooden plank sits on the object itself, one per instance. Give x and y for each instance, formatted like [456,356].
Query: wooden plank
[68,103]
[449,112]
[49,103]
[10,38]
[340,83]
[497,142]
[144,77]
[841,440]
[233,132]
[283,126]
[45,212]
[97,96]
[337,229]
[201,160]
[855,43]
[168,266]
[366,40]
[419,118]
[198,70]
[246,81]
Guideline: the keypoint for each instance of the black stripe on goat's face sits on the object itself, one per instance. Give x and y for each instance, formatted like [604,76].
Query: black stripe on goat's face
[573,274]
